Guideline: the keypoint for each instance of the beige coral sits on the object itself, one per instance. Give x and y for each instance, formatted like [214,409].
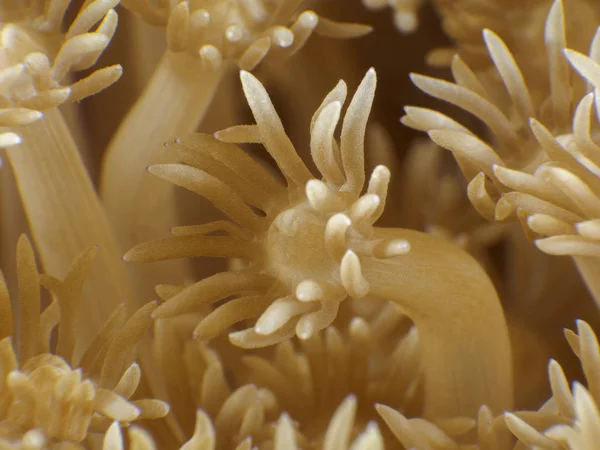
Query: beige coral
[314,245]
[49,397]
[570,418]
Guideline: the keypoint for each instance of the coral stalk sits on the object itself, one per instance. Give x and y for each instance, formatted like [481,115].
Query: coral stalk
[464,339]
[59,199]
[64,212]
[173,103]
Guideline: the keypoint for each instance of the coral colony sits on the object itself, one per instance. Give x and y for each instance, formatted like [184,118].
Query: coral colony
[327,278]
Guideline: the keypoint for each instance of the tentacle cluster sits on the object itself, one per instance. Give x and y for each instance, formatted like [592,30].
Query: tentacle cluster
[37,59]
[312,244]
[339,231]
[44,400]
[542,162]
[525,171]
[485,432]
[463,20]
[571,418]
[244,31]
[507,118]
[199,385]
[239,408]
[305,248]
[564,194]
[360,358]
[283,431]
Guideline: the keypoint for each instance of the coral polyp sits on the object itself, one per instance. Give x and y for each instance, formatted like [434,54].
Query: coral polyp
[311,244]
[304,283]
[242,31]
[342,232]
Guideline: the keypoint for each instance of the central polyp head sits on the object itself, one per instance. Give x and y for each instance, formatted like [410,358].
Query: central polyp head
[315,247]
[305,249]
[309,240]
[296,247]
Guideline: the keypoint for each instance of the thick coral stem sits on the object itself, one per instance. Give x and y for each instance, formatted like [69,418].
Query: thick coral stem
[462,330]
[173,104]
[65,213]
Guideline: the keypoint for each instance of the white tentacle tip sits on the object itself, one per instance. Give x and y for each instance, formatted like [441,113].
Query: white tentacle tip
[9,139]
[265,325]
[313,188]
[234,33]
[381,171]
[373,200]
[317,193]
[391,248]
[282,36]
[352,277]
[314,184]
[338,220]
[211,57]
[36,115]
[365,206]
[344,219]
[335,235]
[309,291]
[271,320]
[486,32]
[304,330]
[308,19]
